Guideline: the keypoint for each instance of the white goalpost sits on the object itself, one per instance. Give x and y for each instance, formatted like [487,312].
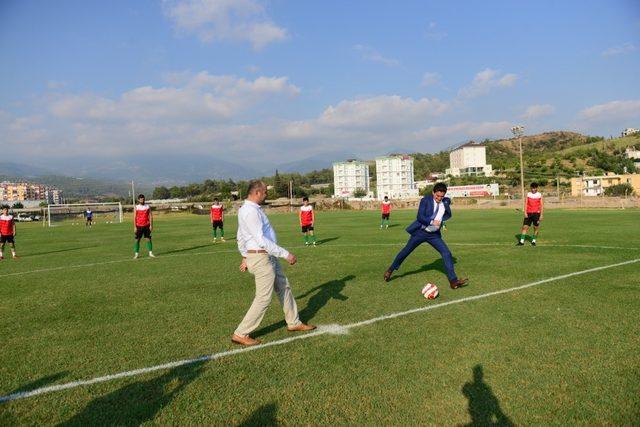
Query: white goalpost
[74,213]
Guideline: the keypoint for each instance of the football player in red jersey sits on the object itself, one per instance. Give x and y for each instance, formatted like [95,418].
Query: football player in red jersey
[142,226]
[386,212]
[217,219]
[307,218]
[533,214]
[7,232]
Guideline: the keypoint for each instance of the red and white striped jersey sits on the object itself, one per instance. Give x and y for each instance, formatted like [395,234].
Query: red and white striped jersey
[217,213]
[534,202]
[142,216]
[386,207]
[306,215]
[7,226]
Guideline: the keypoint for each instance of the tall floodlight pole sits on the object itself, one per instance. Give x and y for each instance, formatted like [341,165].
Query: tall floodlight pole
[518,131]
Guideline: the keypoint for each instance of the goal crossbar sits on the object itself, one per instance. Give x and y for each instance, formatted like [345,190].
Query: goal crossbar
[72,209]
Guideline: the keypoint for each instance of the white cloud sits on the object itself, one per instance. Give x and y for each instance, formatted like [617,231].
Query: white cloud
[370,54]
[434,33]
[612,111]
[459,131]
[619,50]
[200,96]
[430,79]
[224,20]
[381,111]
[199,114]
[55,85]
[538,111]
[486,80]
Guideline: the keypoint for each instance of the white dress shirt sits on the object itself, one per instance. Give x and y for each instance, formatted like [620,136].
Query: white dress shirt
[440,208]
[255,231]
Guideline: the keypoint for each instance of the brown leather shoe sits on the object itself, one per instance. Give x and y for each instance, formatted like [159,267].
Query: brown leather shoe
[459,283]
[247,341]
[387,275]
[300,327]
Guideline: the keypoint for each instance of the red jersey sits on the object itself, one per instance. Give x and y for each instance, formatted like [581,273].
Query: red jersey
[306,215]
[7,226]
[386,207]
[217,213]
[143,213]
[534,202]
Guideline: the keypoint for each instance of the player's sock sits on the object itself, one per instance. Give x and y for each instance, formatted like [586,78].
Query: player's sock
[13,253]
[222,233]
[214,234]
[136,246]
[313,239]
[1,256]
[149,246]
[522,238]
[306,239]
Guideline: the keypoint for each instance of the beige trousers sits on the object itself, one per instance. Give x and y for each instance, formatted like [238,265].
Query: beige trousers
[268,273]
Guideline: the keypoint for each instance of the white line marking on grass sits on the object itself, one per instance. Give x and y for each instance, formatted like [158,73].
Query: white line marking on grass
[171,255]
[332,329]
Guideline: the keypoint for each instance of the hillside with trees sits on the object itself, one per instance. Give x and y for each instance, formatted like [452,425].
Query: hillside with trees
[547,156]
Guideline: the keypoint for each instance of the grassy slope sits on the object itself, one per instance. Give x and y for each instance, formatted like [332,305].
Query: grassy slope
[606,145]
[561,353]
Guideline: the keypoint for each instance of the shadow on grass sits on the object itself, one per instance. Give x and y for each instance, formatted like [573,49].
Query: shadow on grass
[136,403]
[175,251]
[484,407]
[40,382]
[57,251]
[325,292]
[263,416]
[327,240]
[437,265]
[7,418]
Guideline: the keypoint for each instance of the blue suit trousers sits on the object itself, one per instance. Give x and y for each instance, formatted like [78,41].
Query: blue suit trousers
[435,240]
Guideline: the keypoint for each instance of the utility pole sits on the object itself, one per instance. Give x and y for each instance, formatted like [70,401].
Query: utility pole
[518,131]
[290,196]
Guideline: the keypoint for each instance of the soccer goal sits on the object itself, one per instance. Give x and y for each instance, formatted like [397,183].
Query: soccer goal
[76,213]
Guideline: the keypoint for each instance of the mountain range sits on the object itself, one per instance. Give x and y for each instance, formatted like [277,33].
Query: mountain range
[79,177]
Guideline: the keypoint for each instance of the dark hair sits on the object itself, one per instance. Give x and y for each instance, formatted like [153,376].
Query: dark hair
[5,207]
[216,200]
[386,197]
[534,185]
[305,199]
[141,196]
[439,187]
[255,184]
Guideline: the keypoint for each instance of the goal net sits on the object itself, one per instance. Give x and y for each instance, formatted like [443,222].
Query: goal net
[76,214]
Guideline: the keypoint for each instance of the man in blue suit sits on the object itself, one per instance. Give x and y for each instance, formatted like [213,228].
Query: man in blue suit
[434,210]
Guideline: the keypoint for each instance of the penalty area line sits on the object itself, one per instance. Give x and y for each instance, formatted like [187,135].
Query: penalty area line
[329,329]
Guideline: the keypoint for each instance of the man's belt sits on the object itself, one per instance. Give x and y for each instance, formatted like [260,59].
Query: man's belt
[256,251]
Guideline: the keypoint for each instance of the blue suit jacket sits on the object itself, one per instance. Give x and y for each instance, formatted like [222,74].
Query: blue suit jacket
[425,212]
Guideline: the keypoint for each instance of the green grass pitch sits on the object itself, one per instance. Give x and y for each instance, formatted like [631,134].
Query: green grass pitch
[566,352]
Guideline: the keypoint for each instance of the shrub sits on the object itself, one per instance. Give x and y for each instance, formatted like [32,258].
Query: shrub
[619,190]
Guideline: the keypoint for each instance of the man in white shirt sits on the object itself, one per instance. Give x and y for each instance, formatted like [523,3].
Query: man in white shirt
[432,212]
[259,248]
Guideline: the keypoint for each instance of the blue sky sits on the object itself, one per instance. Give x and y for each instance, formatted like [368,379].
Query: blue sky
[265,82]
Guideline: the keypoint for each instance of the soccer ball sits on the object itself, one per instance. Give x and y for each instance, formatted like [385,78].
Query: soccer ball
[430,291]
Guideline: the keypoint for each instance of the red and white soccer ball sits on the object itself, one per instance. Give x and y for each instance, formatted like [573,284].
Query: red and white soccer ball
[430,291]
